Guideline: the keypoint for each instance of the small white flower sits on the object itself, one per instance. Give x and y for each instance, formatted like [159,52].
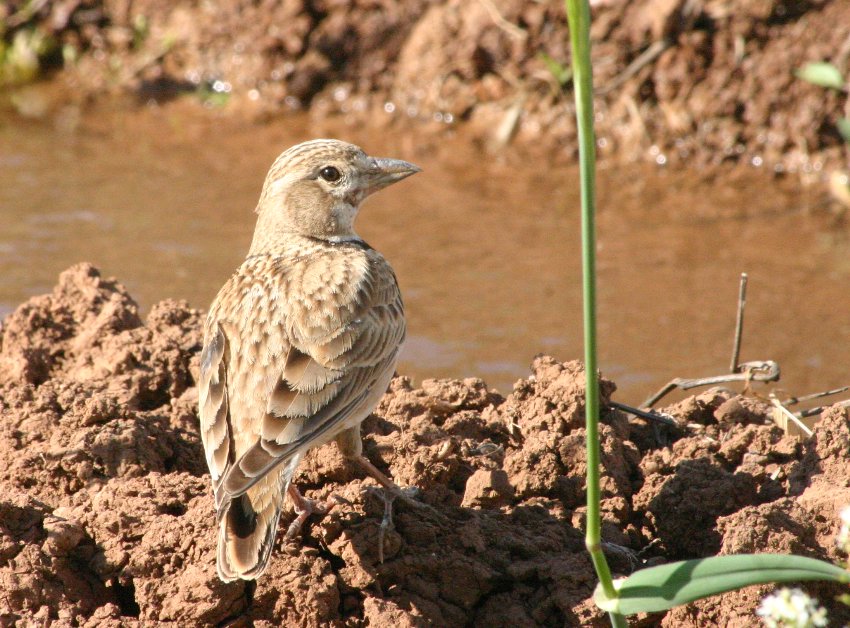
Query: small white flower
[843,538]
[791,608]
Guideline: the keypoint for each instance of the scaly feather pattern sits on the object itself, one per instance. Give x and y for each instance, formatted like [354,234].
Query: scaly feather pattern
[300,344]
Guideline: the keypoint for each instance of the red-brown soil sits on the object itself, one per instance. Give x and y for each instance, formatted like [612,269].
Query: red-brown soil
[106,517]
[677,81]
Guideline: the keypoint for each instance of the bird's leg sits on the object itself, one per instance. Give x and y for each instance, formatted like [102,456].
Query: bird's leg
[352,448]
[386,522]
[304,507]
[405,494]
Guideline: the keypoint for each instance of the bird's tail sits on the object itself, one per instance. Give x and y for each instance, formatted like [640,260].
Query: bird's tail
[245,539]
[248,526]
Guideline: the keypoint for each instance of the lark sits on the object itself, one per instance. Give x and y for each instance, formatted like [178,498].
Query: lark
[299,345]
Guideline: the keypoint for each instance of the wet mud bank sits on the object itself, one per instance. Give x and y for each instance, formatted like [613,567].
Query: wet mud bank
[677,82]
[106,516]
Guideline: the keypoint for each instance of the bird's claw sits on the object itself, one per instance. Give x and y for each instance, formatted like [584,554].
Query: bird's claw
[304,507]
[388,497]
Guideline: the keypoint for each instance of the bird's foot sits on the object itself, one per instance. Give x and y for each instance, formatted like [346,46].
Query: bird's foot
[304,507]
[388,498]
[406,494]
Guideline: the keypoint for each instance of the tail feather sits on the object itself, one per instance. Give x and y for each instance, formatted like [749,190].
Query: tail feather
[246,535]
[245,540]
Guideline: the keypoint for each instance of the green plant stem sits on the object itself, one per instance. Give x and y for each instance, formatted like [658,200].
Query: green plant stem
[578,14]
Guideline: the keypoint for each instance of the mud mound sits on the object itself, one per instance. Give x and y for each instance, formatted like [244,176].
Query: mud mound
[698,83]
[90,393]
[106,518]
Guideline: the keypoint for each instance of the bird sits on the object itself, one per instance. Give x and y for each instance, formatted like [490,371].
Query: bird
[299,345]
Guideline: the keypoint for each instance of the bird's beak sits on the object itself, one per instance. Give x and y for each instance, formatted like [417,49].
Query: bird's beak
[383,172]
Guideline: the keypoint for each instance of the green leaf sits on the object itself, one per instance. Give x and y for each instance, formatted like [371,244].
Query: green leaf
[561,73]
[821,73]
[843,125]
[663,587]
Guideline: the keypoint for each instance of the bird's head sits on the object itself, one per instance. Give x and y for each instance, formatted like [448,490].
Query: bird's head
[316,188]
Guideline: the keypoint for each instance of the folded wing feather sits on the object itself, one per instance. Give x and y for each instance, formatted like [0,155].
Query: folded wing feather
[329,370]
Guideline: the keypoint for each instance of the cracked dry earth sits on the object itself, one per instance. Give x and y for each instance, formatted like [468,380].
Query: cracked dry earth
[106,517]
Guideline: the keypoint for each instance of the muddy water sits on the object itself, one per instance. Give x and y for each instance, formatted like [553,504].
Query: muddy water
[486,250]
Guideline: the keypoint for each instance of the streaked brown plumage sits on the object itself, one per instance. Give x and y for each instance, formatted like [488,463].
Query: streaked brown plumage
[300,343]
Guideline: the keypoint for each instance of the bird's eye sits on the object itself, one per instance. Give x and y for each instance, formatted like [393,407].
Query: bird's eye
[329,173]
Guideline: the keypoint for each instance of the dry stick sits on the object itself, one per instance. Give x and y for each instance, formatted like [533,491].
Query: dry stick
[790,416]
[644,414]
[813,411]
[790,401]
[689,13]
[767,371]
[509,27]
[739,323]
[645,58]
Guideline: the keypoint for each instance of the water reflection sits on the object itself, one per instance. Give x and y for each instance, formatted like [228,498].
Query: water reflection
[486,250]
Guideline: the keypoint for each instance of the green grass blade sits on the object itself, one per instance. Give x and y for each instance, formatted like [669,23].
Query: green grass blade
[821,73]
[663,587]
[561,73]
[578,15]
[844,128]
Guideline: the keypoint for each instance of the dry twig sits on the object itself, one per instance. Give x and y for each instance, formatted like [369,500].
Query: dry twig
[664,419]
[767,371]
[739,324]
[509,27]
[645,58]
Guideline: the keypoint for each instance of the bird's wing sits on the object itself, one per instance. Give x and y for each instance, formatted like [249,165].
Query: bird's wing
[216,433]
[335,349]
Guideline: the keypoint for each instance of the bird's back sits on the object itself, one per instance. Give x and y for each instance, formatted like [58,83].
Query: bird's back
[299,345]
